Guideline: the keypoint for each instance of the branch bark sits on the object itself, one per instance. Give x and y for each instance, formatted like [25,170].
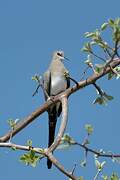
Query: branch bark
[29,119]
[38,150]
[63,98]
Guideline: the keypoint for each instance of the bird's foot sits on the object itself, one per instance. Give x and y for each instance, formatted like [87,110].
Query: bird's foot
[50,98]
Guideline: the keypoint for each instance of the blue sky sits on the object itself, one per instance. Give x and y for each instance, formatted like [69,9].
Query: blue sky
[30,30]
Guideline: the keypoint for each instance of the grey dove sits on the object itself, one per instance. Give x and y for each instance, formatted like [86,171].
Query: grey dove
[55,82]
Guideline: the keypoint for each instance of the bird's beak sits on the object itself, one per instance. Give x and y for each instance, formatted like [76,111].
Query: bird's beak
[66,58]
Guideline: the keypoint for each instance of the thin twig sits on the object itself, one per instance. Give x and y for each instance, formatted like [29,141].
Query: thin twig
[84,72]
[98,153]
[40,84]
[108,53]
[97,174]
[66,74]
[36,91]
[73,170]
[73,80]
[112,57]
[100,91]
[98,57]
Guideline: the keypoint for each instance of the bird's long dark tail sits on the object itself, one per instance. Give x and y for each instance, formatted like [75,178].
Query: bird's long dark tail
[52,124]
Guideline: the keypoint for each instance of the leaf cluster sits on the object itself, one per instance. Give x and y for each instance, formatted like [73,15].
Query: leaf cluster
[96,37]
[103,99]
[30,158]
[12,123]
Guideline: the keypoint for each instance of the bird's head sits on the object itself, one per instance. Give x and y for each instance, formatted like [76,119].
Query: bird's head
[59,55]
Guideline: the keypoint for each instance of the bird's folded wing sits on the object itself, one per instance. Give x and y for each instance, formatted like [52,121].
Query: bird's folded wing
[47,82]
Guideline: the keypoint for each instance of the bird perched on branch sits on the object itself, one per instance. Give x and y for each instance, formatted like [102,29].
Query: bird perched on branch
[55,82]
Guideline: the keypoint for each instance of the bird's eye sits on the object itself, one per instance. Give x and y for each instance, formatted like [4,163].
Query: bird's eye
[59,54]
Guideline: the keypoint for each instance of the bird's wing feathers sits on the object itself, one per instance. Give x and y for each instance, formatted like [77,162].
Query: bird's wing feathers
[47,82]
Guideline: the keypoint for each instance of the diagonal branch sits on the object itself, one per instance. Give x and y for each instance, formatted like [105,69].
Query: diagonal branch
[23,123]
[60,167]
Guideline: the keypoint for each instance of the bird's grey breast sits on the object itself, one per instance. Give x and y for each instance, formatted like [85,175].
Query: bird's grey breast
[58,84]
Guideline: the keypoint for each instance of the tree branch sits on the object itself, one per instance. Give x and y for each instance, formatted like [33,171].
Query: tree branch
[38,150]
[23,123]
[98,153]
[60,167]
[21,147]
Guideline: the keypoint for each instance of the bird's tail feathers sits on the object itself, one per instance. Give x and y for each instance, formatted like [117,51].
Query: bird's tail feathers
[52,125]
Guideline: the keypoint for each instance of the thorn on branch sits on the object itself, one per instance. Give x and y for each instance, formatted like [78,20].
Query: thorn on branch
[73,170]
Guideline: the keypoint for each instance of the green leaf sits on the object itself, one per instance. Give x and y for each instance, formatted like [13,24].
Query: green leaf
[13,148]
[12,123]
[63,146]
[103,99]
[30,158]
[100,100]
[111,22]
[114,177]
[116,34]
[83,163]
[93,43]
[29,142]
[89,34]
[117,76]
[117,21]
[108,97]
[99,67]
[103,44]
[110,75]
[36,78]
[102,164]
[89,129]
[99,165]
[87,48]
[105,177]
[89,59]
[68,139]
[66,142]
[117,69]
[104,26]
[80,178]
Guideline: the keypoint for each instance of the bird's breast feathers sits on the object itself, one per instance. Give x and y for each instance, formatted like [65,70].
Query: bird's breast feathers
[58,84]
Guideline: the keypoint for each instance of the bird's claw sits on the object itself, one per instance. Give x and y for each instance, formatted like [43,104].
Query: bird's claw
[50,98]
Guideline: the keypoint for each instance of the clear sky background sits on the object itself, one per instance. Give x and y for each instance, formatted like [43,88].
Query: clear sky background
[30,30]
